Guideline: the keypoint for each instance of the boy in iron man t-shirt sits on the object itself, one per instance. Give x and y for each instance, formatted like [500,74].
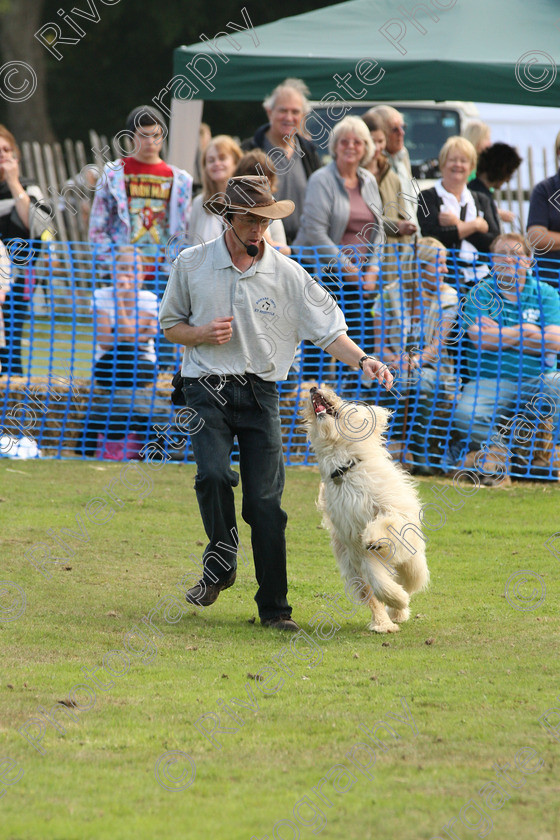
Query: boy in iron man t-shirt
[141,200]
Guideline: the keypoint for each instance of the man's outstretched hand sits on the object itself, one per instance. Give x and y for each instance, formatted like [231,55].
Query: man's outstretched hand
[376,369]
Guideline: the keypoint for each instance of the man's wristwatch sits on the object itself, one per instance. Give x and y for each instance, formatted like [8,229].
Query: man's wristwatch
[362,360]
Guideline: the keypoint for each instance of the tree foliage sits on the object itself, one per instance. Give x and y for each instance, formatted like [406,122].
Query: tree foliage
[125,58]
[28,118]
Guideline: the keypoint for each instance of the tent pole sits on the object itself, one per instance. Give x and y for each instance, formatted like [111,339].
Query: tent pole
[184,123]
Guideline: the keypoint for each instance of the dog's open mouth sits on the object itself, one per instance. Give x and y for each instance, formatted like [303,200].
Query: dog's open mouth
[321,406]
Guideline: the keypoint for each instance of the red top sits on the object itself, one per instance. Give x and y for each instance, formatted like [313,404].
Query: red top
[148,188]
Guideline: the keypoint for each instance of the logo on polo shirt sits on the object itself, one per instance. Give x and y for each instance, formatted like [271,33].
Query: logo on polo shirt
[532,315]
[265,306]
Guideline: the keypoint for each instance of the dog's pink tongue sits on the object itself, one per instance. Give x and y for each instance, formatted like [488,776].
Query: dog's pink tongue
[320,409]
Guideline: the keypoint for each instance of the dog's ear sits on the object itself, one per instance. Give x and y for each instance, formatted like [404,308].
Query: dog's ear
[382,417]
[356,421]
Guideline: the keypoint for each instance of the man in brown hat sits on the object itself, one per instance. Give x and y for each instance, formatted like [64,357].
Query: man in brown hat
[240,308]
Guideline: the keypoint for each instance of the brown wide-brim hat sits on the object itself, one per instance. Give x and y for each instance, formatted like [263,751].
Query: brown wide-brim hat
[249,194]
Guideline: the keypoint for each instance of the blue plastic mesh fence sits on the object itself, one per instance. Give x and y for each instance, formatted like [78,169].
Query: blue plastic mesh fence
[80,379]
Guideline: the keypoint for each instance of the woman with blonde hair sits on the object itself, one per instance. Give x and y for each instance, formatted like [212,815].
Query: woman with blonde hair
[477,133]
[456,216]
[125,325]
[412,320]
[219,161]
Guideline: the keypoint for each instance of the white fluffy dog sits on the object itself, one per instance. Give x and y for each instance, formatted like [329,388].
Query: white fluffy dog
[369,504]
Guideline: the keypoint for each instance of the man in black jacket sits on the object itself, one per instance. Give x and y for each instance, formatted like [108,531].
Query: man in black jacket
[543,224]
[293,156]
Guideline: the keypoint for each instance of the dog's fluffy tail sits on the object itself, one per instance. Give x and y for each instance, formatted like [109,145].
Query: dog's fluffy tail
[384,584]
[414,573]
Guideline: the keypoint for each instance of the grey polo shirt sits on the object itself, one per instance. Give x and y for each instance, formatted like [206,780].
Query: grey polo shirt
[275,304]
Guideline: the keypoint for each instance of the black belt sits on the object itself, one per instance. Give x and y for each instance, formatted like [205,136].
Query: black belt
[216,381]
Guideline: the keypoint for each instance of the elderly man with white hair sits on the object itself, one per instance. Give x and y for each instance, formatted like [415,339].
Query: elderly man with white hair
[397,155]
[293,156]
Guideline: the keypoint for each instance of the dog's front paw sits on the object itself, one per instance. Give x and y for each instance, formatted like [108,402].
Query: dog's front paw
[384,627]
[373,538]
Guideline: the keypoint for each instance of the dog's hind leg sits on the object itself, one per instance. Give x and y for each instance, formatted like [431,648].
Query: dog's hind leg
[380,621]
[344,558]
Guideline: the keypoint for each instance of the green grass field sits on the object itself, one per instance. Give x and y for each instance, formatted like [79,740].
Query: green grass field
[68,345]
[476,670]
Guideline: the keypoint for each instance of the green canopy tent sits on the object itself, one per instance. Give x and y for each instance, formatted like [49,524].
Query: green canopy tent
[502,51]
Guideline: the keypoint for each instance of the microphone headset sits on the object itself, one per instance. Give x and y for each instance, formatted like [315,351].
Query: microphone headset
[252,250]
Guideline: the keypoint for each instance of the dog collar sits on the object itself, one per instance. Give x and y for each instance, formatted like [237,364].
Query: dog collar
[339,473]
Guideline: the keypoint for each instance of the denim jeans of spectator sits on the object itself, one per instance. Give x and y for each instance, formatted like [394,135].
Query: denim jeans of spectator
[250,412]
[421,391]
[14,310]
[114,412]
[121,368]
[486,403]
[113,426]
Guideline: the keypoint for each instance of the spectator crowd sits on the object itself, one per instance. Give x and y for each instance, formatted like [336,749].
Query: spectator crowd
[436,283]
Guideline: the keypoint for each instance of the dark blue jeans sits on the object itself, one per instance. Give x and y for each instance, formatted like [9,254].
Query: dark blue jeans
[250,412]
[14,310]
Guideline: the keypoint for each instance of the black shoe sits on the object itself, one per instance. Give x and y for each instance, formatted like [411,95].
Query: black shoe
[205,593]
[281,622]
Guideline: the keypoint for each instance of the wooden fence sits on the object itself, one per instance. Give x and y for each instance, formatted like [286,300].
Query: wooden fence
[66,173]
